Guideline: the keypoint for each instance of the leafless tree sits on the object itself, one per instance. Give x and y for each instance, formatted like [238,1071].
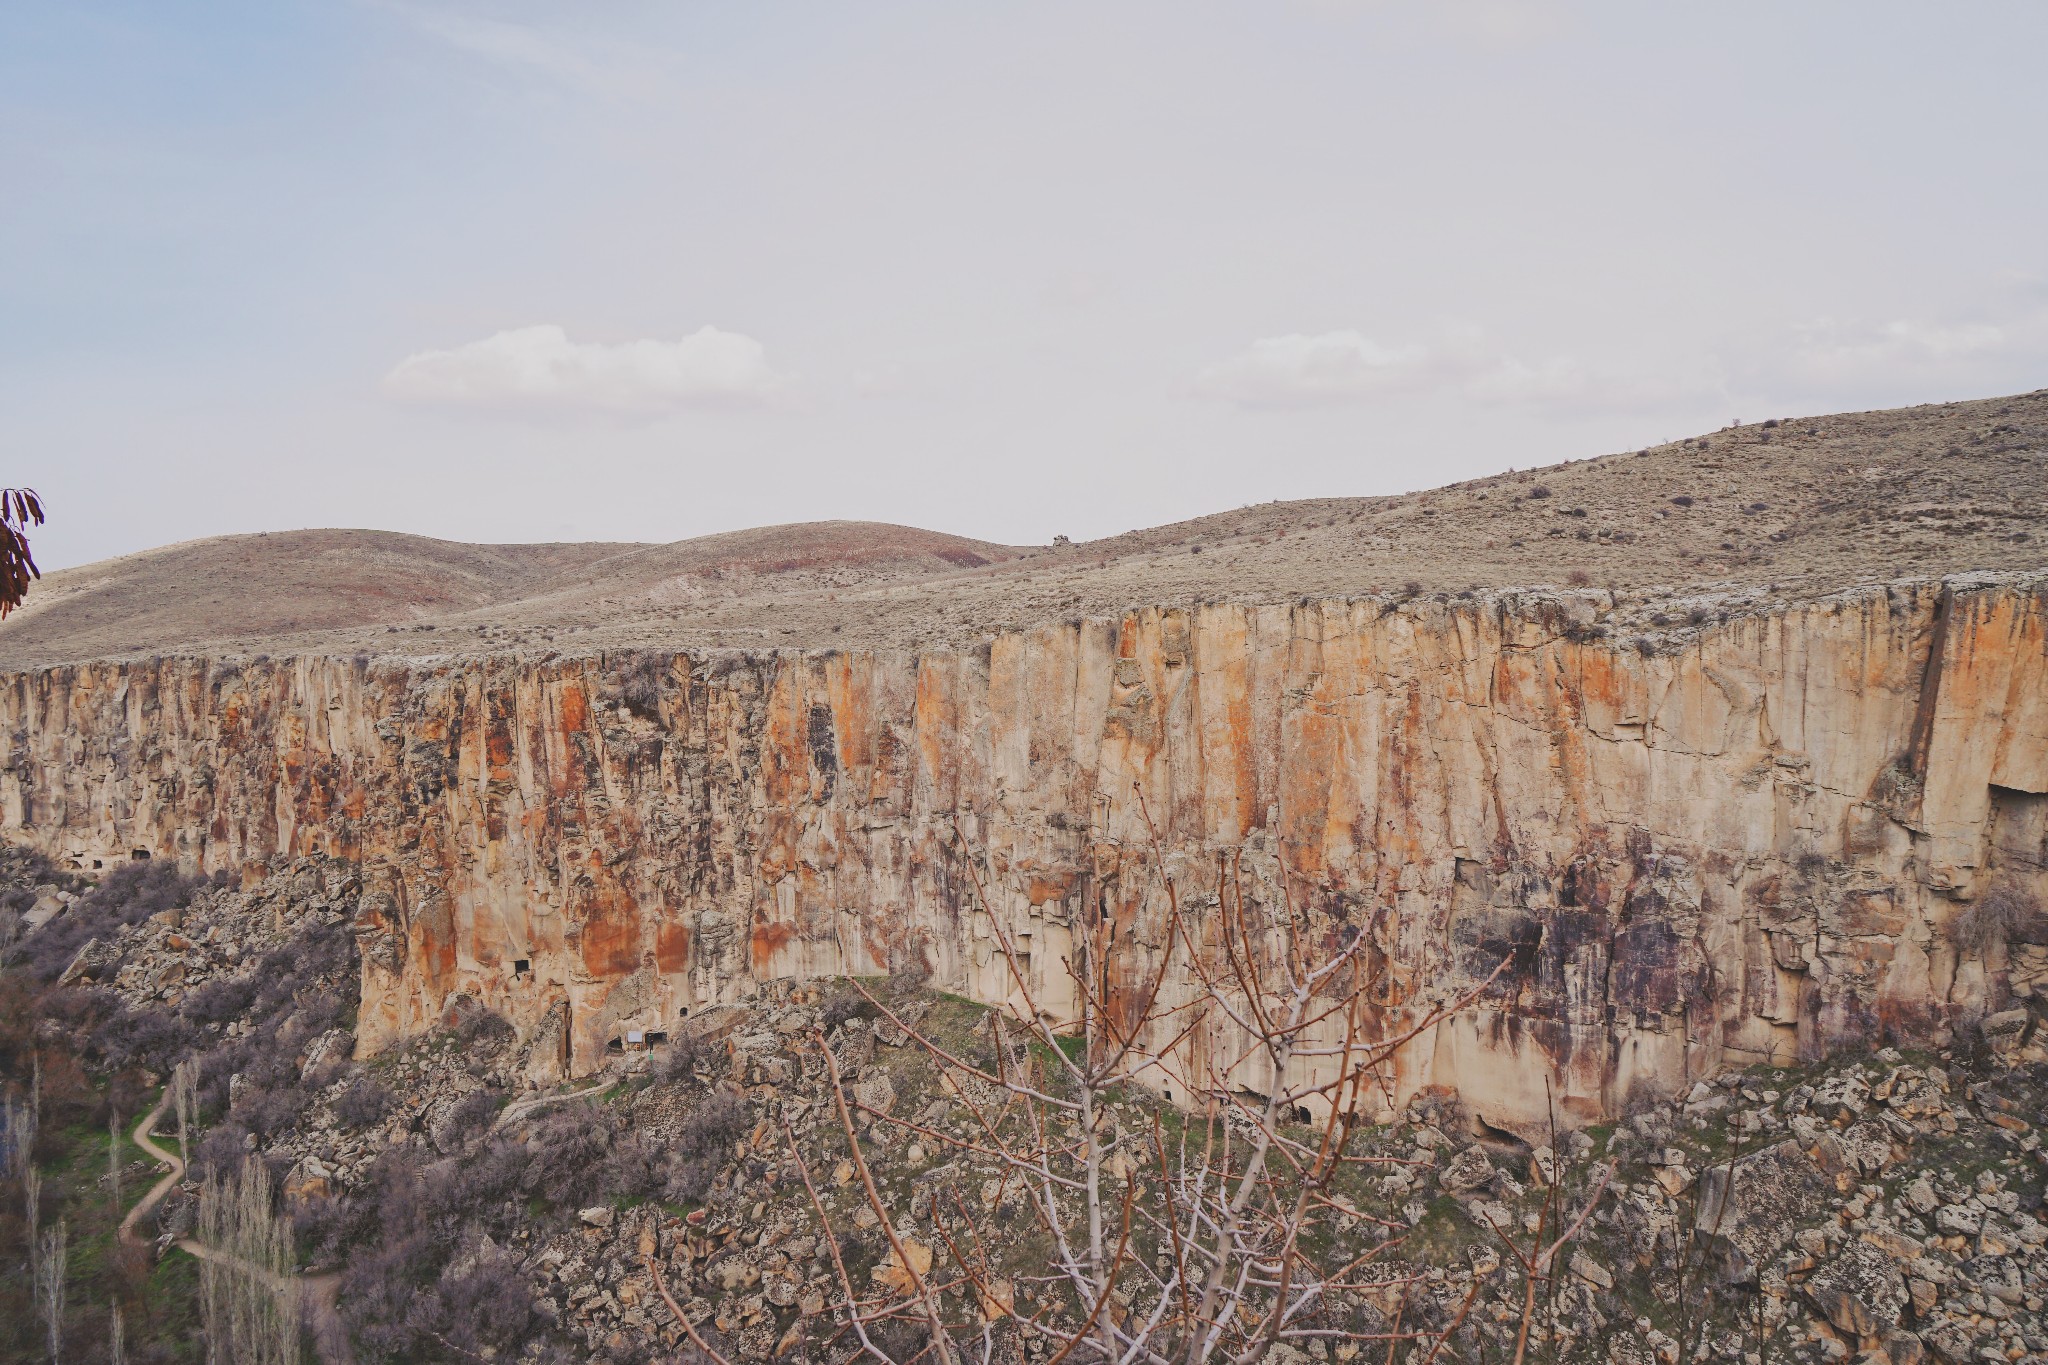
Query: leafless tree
[183,1083]
[114,1157]
[17,1137]
[249,1293]
[1203,1239]
[49,1275]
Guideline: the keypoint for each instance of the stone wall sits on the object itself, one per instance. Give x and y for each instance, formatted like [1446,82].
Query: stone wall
[1747,843]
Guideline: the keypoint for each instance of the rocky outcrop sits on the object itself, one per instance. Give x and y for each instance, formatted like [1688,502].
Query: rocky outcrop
[1753,840]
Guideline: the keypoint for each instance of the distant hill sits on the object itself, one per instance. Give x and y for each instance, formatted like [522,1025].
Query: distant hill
[1799,506]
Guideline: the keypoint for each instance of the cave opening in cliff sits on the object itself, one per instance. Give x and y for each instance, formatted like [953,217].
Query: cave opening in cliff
[683,1013]
[656,1037]
[140,855]
[522,966]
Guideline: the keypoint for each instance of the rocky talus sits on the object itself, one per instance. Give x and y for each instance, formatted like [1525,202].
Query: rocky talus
[1886,1204]
[1729,838]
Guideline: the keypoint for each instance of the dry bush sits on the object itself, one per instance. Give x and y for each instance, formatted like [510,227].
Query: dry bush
[844,1005]
[1195,1244]
[704,1145]
[127,895]
[637,684]
[365,1102]
[2005,914]
[689,1055]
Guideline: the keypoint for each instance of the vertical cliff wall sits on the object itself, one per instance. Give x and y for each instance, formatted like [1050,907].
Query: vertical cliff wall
[1749,843]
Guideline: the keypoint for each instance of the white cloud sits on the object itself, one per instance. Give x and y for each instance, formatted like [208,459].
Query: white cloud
[1299,370]
[1835,362]
[1509,380]
[540,367]
[506,44]
[560,53]
[1832,351]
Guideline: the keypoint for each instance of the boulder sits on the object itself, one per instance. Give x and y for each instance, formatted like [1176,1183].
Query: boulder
[1591,1271]
[547,1051]
[1755,1204]
[876,1092]
[896,1273]
[1843,1096]
[335,1045]
[1860,1292]
[1467,1171]
[1869,1145]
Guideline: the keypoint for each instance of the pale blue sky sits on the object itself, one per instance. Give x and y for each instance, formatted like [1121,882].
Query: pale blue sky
[1005,269]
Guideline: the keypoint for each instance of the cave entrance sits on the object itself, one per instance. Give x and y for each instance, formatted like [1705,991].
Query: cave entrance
[522,966]
[655,1038]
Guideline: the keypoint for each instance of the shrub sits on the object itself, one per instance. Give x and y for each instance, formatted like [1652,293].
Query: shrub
[364,1102]
[128,895]
[150,1036]
[637,686]
[1579,578]
[704,1144]
[319,964]
[845,1005]
[2004,914]
[481,1028]
[377,1293]
[453,1194]
[221,1000]
[220,1152]
[472,1113]
[482,1306]
[267,1110]
[908,977]
[566,1155]
[26,872]
[687,1056]
[1540,491]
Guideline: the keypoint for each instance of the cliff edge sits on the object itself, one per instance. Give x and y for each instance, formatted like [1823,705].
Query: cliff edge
[1710,826]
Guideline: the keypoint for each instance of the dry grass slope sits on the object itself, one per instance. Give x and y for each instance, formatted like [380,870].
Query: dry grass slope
[1802,506]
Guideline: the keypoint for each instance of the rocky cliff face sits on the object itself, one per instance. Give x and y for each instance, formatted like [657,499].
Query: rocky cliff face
[1759,840]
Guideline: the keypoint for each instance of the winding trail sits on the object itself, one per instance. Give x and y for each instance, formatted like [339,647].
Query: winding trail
[519,1109]
[318,1292]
